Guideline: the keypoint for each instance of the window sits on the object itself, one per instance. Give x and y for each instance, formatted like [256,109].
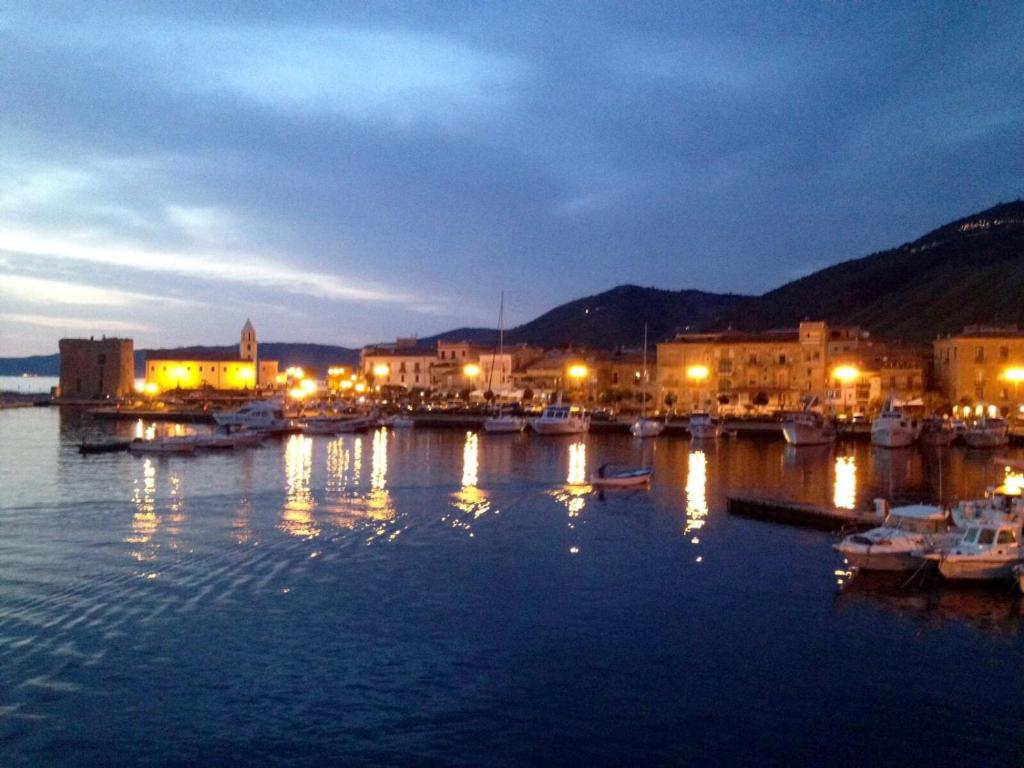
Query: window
[987,536]
[782,360]
[615,377]
[979,354]
[1007,536]
[1004,353]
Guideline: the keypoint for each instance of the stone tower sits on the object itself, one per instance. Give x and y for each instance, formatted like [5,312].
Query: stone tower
[247,346]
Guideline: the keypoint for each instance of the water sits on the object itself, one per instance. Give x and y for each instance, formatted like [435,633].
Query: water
[28,385]
[432,597]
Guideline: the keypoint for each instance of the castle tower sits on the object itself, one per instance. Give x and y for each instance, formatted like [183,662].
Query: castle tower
[247,346]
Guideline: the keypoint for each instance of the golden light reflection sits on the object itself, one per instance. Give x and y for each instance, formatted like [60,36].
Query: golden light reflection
[1012,479]
[175,517]
[379,501]
[297,515]
[469,498]
[577,464]
[845,493]
[145,521]
[696,493]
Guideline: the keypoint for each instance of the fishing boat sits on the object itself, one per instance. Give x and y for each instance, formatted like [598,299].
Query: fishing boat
[985,552]
[703,427]
[896,545]
[644,427]
[166,445]
[892,428]
[561,419]
[936,431]
[256,414]
[987,433]
[504,423]
[808,427]
[605,478]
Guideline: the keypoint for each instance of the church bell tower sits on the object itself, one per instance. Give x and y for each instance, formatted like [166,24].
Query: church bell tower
[247,346]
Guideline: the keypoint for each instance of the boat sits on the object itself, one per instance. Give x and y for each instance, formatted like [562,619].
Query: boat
[603,478]
[985,552]
[1001,503]
[892,428]
[561,419]
[256,414]
[936,431]
[987,433]
[703,427]
[336,425]
[504,423]
[245,438]
[181,445]
[398,421]
[897,544]
[103,446]
[644,427]
[808,427]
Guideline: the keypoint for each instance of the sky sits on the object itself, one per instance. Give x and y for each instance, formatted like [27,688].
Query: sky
[344,173]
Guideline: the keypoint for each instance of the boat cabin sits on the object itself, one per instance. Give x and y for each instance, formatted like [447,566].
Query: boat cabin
[918,518]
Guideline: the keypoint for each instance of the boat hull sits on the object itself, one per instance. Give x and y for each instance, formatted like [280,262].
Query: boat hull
[806,434]
[504,425]
[876,559]
[646,428]
[705,432]
[985,440]
[892,438]
[559,427]
[976,568]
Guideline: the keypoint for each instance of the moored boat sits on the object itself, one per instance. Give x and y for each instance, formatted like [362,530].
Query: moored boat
[504,423]
[936,431]
[703,427]
[181,445]
[985,552]
[897,544]
[808,427]
[644,427]
[987,433]
[893,429]
[606,478]
[256,414]
[560,419]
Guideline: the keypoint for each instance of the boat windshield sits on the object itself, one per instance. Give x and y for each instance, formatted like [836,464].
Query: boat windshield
[913,524]
[987,536]
[971,537]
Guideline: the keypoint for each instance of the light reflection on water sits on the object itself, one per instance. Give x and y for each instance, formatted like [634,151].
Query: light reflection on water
[562,592]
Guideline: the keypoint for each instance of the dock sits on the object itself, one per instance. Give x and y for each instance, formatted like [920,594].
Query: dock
[800,514]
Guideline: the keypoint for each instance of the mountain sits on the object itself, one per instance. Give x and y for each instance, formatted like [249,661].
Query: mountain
[968,271]
[37,365]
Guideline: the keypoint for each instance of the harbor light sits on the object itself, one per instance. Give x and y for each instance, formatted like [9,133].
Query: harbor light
[381,369]
[697,372]
[471,370]
[151,388]
[335,371]
[1015,374]
[846,373]
[578,371]
[360,387]
[308,385]
[297,393]
[294,372]
[346,384]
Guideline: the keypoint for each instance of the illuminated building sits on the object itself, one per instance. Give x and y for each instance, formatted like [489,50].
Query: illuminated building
[981,365]
[168,370]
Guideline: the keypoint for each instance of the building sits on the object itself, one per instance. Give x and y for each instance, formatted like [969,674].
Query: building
[402,364]
[744,372]
[213,370]
[982,365]
[90,368]
[863,377]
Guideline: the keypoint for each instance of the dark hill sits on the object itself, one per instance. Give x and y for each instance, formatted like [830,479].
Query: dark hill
[968,271]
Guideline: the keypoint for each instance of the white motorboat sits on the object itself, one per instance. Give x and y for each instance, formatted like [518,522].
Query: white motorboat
[179,445]
[898,543]
[604,478]
[1001,504]
[893,429]
[560,419]
[985,552]
[644,427]
[257,414]
[504,423]
[987,433]
[337,425]
[703,427]
[808,427]
[936,432]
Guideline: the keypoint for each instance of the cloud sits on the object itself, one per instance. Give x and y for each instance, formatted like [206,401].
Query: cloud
[34,290]
[73,323]
[233,268]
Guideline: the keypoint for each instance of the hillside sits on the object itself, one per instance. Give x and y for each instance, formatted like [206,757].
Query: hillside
[968,271]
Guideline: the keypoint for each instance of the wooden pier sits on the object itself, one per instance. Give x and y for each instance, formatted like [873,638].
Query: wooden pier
[800,514]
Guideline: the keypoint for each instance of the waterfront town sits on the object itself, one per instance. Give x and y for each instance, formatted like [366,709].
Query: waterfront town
[842,371]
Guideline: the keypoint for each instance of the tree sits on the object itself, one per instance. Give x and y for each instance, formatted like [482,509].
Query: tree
[670,400]
[527,395]
[760,399]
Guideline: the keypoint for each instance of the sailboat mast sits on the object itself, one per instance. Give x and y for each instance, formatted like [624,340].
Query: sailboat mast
[501,339]
[643,405]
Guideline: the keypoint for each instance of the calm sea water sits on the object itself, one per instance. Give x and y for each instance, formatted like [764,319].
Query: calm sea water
[440,597]
[34,385]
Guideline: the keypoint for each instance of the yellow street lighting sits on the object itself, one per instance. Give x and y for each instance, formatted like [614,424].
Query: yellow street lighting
[471,370]
[335,370]
[308,385]
[381,369]
[151,388]
[1015,374]
[578,371]
[246,373]
[360,387]
[297,393]
[345,384]
[697,372]
[846,373]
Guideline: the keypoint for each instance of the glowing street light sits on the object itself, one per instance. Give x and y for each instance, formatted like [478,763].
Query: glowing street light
[578,371]
[471,370]
[846,373]
[1015,374]
[697,372]
[381,369]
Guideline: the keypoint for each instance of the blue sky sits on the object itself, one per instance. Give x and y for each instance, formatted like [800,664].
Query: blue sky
[345,173]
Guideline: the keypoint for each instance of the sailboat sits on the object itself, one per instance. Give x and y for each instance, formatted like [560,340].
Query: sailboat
[501,422]
[644,427]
